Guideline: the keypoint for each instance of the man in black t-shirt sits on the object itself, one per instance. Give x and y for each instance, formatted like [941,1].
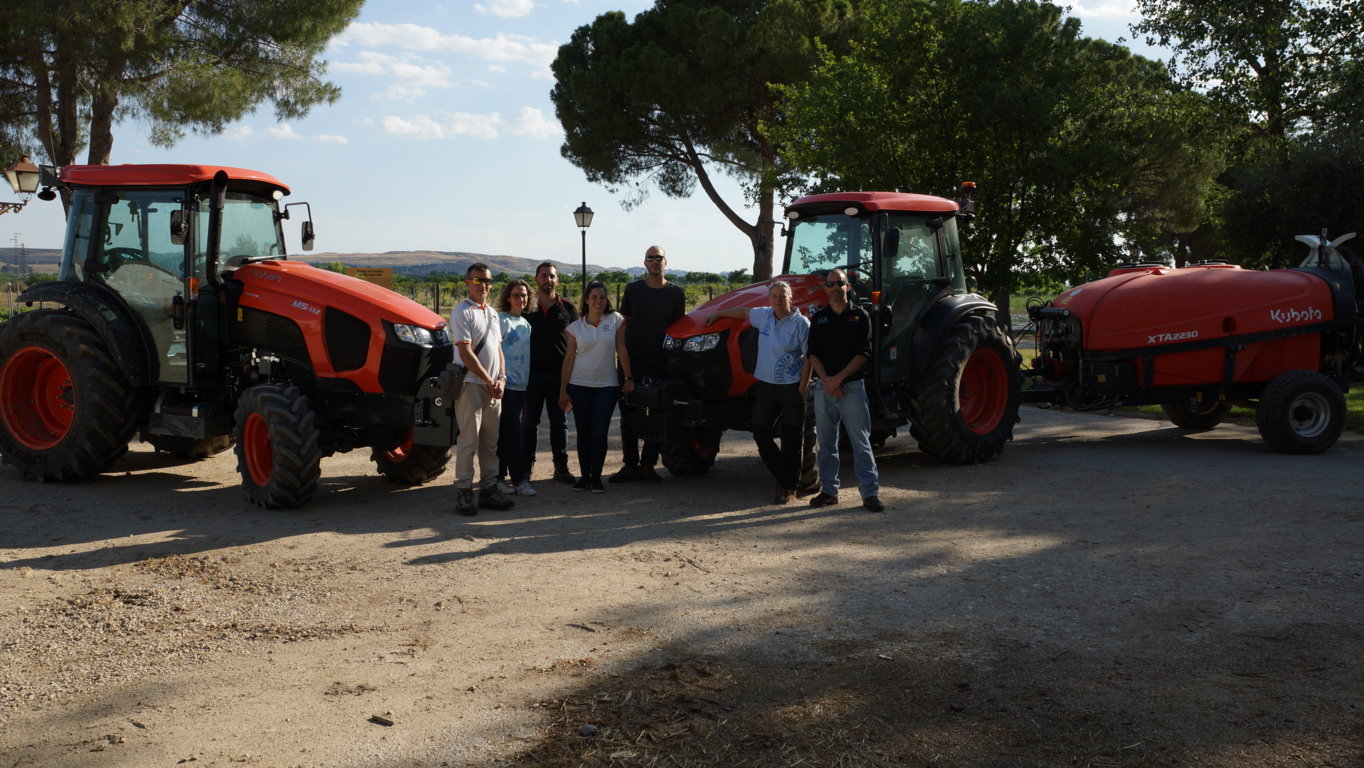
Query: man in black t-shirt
[650,305]
[838,351]
[548,315]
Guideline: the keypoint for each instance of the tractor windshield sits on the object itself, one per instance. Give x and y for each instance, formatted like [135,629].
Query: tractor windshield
[820,243]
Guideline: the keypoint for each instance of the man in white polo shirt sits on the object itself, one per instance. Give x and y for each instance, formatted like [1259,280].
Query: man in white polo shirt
[478,409]
[782,333]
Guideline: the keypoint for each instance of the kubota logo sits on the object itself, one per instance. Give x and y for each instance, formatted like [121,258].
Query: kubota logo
[306,307]
[1292,315]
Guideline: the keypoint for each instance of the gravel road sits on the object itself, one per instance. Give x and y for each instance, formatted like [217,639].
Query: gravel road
[1112,592]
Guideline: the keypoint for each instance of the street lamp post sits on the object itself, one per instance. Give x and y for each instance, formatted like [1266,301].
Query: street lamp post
[583,216]
[23,178]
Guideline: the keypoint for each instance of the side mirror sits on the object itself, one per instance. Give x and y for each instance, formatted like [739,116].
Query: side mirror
[177,227]
[891,245]
[308,236]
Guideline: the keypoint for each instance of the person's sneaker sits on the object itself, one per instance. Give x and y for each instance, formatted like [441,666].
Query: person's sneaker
[492,498]
[562,475]
[874,504]
[627,474]
[525,489]
[597,487]
[581,484]
[782,495]
[464,502]
[649,475]
[506,487]
[824,499]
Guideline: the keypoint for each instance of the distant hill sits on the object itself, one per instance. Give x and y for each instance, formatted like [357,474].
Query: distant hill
[456,262]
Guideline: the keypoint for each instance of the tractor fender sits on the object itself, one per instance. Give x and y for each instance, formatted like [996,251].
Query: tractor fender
[115,323]
[937,321]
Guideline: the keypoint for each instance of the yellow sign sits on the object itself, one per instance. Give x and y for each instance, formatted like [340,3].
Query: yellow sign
[381,276]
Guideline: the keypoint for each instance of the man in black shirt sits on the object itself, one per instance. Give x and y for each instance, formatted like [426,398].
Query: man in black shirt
[839,348]
[650,305]
[548,316]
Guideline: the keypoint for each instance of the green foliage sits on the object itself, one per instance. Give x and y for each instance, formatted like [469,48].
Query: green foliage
[1056,129]
[72,70]
[739,278]
[678,94]
[336,266]
[1288,77]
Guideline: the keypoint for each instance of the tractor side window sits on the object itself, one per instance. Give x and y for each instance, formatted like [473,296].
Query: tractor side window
[77,245]
[133,250]
[917,256]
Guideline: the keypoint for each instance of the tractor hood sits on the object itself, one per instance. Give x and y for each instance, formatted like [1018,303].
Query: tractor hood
[353,330]
[807,295]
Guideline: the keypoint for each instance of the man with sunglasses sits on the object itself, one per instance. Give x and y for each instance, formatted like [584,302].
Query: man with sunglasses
[549,314]
[478,408]
[650,305]
[839,348]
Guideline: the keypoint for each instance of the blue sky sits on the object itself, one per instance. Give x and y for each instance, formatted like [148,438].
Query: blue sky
[445,139]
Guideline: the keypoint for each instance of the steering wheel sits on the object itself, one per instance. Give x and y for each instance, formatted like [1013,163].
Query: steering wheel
[135,256]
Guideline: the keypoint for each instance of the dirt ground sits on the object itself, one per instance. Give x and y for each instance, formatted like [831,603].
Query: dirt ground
[1112,592]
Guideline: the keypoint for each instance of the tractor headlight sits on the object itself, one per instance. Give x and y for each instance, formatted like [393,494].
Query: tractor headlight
[414,334]
[703,343]
[671,343]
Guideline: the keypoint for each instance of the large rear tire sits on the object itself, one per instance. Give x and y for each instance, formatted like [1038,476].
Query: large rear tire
[1191,415]
[1301,412]
[692,452]
[278,451]
[66,410]
[409,464]
[966,403]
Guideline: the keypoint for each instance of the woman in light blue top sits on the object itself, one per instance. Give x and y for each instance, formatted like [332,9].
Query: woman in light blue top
[516,353]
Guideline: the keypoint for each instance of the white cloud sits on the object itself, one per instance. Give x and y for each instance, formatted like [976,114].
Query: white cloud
[507,9]
[328,138]
[401,93]
[527,122]
[239,133]
[419,127]
[532,122]
[283,131]
[407,70]
[1104,9]
[503,48]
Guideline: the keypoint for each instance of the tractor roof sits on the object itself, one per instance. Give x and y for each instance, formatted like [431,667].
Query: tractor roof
[160,175]
[873,201]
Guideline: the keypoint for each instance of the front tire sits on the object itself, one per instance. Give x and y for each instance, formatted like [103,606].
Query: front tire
[66,410]
[409,464]
[278,451]
[966,404]
[693,453]
[1301,412]
[1191,415]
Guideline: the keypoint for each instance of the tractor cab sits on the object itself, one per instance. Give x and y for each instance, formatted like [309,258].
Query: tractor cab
[900,252]
[163,238]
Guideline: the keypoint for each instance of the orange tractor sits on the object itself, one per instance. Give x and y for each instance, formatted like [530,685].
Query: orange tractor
[942,365]
[177,315]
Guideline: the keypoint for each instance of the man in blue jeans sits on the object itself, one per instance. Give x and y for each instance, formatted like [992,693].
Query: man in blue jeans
[840,346]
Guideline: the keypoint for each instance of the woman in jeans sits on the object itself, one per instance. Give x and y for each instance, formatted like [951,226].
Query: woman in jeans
[516,353]
[589,386]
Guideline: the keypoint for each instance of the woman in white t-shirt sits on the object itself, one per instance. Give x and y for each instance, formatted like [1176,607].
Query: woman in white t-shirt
[589,386]
[511,474]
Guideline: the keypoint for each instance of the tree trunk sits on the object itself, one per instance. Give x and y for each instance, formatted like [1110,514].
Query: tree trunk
[762,233]
[1000,297]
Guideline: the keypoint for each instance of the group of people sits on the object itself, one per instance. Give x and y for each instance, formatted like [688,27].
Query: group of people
[537,354]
